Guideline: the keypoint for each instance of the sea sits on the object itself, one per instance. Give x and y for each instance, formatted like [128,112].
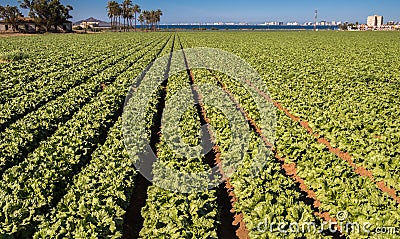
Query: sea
[245,27]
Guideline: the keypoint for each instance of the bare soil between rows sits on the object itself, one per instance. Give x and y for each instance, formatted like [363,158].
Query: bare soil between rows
[289,169]
[133,220]
[362,171]
[232,226]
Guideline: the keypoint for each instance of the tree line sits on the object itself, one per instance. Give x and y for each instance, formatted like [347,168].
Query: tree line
[130,12]
[45,13]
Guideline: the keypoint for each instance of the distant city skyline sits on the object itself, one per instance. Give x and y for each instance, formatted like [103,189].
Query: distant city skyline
[252,11]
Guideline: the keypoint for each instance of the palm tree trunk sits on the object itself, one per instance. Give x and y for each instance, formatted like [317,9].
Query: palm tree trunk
[135,21]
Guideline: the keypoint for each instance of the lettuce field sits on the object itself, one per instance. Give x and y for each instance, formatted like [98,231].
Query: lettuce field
[333,170]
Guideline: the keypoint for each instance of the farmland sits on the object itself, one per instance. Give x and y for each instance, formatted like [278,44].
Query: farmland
[67,170]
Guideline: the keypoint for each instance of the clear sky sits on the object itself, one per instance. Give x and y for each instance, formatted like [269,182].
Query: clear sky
[252,11]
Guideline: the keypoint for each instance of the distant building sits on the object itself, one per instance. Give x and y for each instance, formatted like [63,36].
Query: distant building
[379,21]
[24,24]
[28,25]
[89,24]
[371,21]
[375,21]
[273,23]
[322,23]
[93,24]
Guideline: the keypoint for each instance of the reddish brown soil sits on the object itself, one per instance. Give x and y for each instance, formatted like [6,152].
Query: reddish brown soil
[338,152]
[103,86]
[232,223]
[133,219]
[290,169]
[382,186]
[242,232]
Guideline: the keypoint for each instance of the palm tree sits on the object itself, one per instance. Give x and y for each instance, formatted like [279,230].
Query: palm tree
[113,12]
[155,17]
[159,13]
[110,11]
[136,9]
[141,19]
[152,19]
[118,11]
[130,17]
[147,18]
[125,10]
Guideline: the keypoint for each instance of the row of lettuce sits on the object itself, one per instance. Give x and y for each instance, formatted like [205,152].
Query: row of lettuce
[72,184]
[336,185]
[267,197]
[26,133]
[17,103]
[50,178]
[347,92]
[51,55]
[173,214]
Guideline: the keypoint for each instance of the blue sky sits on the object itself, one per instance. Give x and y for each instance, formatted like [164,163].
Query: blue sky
[252,11]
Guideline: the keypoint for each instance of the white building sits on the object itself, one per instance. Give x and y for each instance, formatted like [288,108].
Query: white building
[273,23]
[89,24]
[375,21]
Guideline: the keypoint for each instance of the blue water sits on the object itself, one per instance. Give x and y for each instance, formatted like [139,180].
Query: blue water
[246,27]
